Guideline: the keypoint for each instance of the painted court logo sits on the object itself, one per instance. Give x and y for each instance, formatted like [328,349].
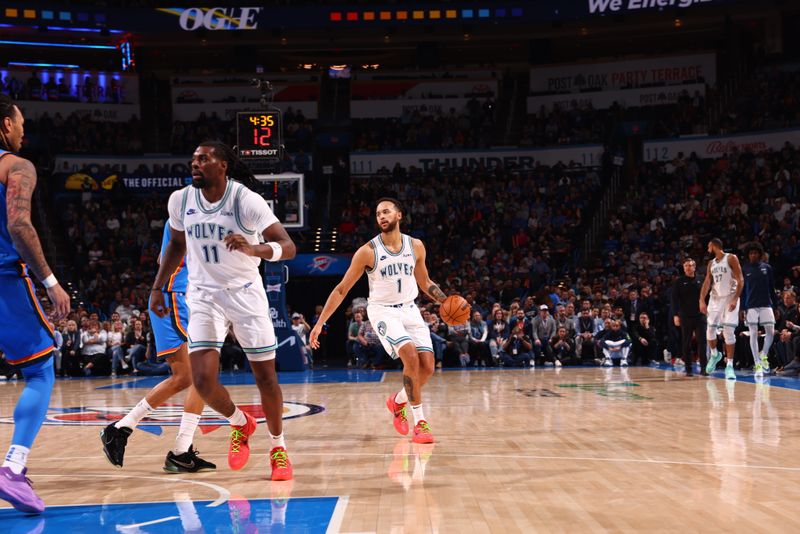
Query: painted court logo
[166,415]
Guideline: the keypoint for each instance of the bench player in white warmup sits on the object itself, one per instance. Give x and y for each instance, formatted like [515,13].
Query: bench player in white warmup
[724,279]
[216,222]
[395,266]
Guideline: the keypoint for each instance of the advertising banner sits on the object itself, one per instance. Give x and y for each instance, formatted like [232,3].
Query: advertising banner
[99,112]
[228,110]
[714,147]
[608,76]
[319,264]
[627,98]
[362,163]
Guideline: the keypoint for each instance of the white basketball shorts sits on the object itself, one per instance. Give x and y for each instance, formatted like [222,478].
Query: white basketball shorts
[398,325]
[718,314]
[211,313]
[760,316]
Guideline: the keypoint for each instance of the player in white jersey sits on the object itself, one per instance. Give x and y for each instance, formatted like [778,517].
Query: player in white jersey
[217,223]
[395,266]
[724,279]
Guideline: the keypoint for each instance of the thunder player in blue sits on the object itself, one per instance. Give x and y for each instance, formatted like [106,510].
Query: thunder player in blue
[170,334]
[25,335]
[758,301]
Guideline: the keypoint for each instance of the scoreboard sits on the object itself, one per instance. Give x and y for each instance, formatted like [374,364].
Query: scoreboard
[258,134]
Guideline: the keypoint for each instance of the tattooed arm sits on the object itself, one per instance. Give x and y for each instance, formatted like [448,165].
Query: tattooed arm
[421,274]
[20,183]
[19,192]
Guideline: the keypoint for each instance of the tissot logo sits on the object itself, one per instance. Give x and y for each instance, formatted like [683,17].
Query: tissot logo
[216,18]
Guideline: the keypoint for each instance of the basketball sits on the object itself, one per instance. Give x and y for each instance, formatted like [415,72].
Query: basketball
[455,310]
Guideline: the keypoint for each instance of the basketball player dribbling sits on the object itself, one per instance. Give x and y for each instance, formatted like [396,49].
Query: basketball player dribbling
[724,279]
[26,337]
[170,336]
[217,223]
[395,267]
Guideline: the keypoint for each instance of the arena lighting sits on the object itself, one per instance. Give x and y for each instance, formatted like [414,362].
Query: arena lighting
[57,45]
[87,30]
[56,65]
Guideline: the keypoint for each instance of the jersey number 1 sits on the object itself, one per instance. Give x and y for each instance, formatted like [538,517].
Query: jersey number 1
[399,285]
[210,252]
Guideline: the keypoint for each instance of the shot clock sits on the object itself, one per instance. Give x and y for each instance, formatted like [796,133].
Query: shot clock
[258,134]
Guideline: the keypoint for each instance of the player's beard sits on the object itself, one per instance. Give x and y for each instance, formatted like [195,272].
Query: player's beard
[390,227]
[200,182]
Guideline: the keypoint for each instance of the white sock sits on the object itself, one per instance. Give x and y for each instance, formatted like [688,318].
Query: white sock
[416,411]
[237,418]
[183,440]
[401,397]
[16,458]
[277,441]
[138,413]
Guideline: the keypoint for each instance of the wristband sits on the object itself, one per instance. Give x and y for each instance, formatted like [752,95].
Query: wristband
[277,250]
[50,281]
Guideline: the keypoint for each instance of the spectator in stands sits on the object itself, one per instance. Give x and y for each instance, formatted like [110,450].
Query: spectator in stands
[544,328]
[116,347]
[645,342]
[438,336]
[93,340]
[479,341]
[458,336]
[301,328]
[518,348]
[584,341]
[562,347]
[137,340]
[72,358]
[352,338]
[498,332]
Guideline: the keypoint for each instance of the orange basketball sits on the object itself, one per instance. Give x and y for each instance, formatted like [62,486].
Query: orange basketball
[454,310]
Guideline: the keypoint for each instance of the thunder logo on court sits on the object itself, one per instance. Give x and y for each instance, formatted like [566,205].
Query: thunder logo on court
[166,415]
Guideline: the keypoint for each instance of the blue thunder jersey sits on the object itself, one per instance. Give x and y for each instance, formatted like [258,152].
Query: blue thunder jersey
[179,280]
[9,257]
[759,286]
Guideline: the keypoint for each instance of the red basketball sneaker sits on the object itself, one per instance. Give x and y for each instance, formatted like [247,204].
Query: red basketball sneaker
[399,412]
[281,466]
[422,433]
[239,450]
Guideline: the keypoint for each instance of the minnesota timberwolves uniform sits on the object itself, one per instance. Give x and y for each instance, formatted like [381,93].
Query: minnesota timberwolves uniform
[170,331]
[25,333]
[225,287]
[392,291]
[759,293]
[723,288]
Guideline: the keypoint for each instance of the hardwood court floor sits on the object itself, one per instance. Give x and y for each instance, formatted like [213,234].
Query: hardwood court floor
[580,450]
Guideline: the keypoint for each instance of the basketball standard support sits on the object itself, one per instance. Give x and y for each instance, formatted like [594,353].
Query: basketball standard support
[289,354]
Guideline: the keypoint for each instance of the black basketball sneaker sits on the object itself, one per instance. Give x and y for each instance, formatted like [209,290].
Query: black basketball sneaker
[188,462]
[114,441]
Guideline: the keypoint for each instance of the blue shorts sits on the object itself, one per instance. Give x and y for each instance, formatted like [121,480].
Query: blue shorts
[25,334]
[170,331]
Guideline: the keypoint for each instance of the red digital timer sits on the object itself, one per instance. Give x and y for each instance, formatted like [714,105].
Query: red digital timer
[259,134]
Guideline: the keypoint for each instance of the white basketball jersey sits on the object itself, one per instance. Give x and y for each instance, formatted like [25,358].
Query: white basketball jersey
[239,211]
[722,282]
[391,280]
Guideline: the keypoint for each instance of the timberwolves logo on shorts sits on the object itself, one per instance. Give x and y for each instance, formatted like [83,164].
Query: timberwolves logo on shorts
[166,415]
[382,328]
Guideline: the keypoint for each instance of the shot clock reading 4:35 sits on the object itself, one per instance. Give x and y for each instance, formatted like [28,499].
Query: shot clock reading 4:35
[258,134]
